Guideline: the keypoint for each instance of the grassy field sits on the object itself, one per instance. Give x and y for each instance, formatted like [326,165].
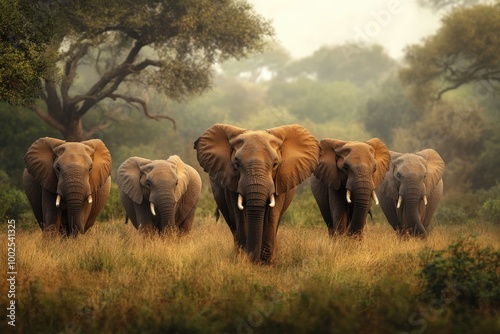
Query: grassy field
[114,280]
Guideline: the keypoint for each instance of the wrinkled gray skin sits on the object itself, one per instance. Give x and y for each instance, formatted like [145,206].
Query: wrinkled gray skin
[67,183]
[159,195]
[348,167]
[417,180]
[262,169]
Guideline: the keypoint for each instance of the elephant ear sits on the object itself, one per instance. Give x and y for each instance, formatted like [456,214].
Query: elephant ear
[435,168]
[388,185]
[182,174]
[299,156]
[128,178]
[39,160]
[382,160]
[327,171]
[214,154]
[102,163]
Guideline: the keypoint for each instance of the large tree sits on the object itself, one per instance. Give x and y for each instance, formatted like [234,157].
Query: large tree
[126,47]
[466,49]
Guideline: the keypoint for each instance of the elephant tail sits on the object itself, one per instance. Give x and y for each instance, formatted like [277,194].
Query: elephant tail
[370,213]
[217,214]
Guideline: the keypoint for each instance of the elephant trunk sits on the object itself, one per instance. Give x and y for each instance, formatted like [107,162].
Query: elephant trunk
[361,198]
[167,214]
[74,205]
[412,221]
[256,199]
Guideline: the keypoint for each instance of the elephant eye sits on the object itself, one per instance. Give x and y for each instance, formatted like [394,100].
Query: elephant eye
[236,163]
[345,167]
[398,175]
[148,183]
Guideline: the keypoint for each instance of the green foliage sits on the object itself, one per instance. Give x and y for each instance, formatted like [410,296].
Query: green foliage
[355,63]
[23,40]
[490,211]
[464,50]
[13,202]
[113,208]
[464,275]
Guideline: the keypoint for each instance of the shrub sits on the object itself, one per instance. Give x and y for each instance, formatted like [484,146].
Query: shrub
[113,208]
[490,211]
[463,275]
[13,202]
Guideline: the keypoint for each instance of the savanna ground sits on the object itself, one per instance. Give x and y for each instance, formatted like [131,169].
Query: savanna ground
[114,280]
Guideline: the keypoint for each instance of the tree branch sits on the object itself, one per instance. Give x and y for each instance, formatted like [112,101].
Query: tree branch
[130,100]
[70,71]
[99,127]
[47,118]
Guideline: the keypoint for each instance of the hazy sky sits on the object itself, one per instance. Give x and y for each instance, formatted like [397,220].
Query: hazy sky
[302,26]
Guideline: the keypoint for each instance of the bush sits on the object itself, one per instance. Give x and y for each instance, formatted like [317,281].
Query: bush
[490,211]
[464,275]
[13,202]
[114,207]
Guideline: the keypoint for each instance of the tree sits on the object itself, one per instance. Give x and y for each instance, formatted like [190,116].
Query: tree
[358,64]
[444,4]
[466,49]
[22,47]
[133,45]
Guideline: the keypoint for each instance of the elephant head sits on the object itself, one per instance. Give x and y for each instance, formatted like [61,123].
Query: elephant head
[411,190]
[159,194]
[67,183]
[345,181]
[253,176]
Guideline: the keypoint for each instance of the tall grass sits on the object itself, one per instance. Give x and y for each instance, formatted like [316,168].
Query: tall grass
[113,279]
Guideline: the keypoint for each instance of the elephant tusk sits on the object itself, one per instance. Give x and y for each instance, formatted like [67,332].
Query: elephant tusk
[400,199]
[375,197]
[152,208]
[273,201]
[89,199]
[58,200]
[348,196]
[240,202]
[425,199]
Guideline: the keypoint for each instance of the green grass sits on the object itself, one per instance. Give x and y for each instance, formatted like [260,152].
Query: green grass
[115,280]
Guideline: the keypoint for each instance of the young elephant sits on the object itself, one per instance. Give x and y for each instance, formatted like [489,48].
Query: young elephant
[159,194]
[345,180]
[411,191]
[254,175]
[67,183]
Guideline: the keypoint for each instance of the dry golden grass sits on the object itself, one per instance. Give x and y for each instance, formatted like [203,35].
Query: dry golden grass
[198,282]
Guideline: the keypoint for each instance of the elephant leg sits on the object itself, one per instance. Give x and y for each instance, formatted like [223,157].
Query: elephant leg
[389,209]
[320,192]
[52,216]
[339,212]
[98,202]
[432,204]
[33,191]
[130,210]
[186,223]
[144,217]
[221,199]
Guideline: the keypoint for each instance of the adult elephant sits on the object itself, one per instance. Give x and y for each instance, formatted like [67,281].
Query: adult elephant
[254,175]
[411,191]
[67,183]
[159,194]
[345,180]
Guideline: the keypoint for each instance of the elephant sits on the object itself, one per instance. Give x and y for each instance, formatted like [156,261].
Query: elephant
[345,180]
[159,195]
[67,183]
[411,190]
[253,176]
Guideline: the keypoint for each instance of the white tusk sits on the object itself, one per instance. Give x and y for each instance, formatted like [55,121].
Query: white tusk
[240,202]
[58,200]
[348,196]
[273,202]
[152,208]
[89,199]
[400,199]
[375,197]
[425,199]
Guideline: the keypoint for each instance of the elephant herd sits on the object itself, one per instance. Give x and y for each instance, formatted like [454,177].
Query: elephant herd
[253,177]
